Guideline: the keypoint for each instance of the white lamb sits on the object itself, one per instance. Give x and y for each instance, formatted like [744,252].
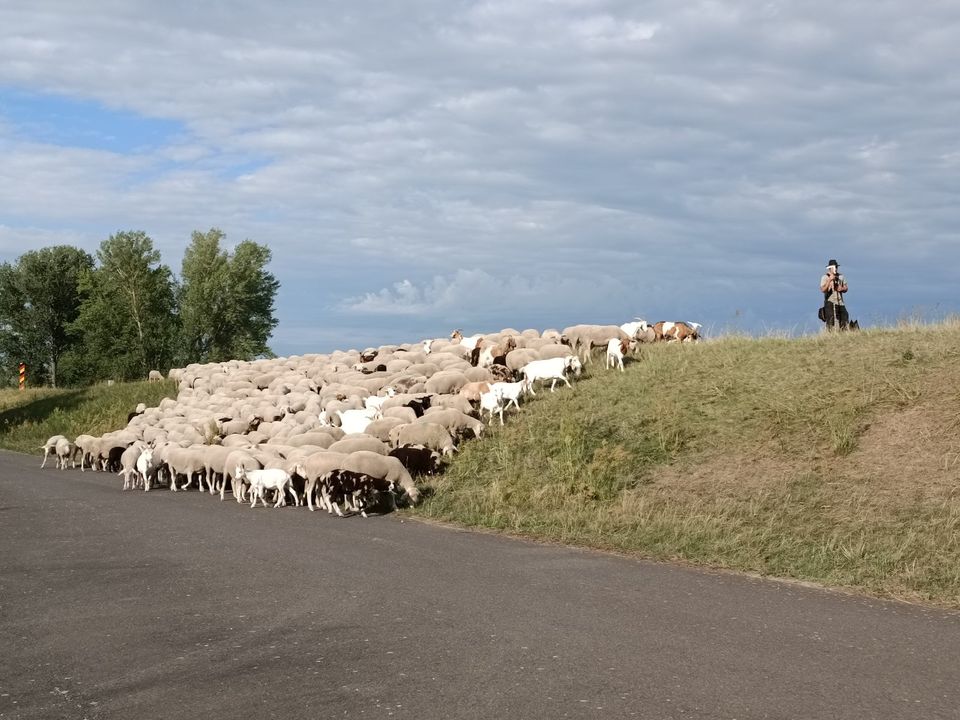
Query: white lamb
[552,369]
[375,402]
[267,479]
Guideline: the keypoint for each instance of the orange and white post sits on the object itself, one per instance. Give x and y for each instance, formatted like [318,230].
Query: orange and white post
[23,376]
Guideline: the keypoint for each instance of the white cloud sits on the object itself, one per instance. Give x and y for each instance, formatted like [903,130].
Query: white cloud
[511,141]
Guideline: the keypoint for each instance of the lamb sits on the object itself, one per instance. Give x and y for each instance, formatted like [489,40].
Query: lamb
[616,349]
[50,448]
[553,369]
[155,376]
[267,479]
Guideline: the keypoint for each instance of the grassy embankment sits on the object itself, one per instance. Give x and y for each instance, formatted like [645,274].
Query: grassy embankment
[828,459]
[28,418]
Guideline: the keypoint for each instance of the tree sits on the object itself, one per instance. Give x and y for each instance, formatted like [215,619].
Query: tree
[39,301]
[226,301]
[128,316]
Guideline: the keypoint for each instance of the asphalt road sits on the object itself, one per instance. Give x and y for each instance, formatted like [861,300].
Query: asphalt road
[163,605]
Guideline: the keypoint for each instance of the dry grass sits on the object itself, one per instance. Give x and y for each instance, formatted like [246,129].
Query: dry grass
[832,459]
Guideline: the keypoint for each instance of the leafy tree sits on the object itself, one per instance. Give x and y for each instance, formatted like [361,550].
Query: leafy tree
[226,301]
[128,317]
[39,301]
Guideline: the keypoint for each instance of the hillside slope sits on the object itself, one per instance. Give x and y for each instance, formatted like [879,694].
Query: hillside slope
[831,459]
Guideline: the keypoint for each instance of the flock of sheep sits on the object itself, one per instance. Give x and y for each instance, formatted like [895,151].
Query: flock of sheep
[345,431]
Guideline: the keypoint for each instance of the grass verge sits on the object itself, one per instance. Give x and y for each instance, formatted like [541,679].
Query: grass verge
[831,459]
[28,418]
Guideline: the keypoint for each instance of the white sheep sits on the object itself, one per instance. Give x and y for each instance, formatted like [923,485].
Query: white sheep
[50,448]
[146,468]
[64,449]
[553,369]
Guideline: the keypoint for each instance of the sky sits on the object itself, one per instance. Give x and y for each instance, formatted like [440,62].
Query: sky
[422,166]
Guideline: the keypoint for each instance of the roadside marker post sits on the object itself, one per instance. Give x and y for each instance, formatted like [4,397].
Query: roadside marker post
[23,376]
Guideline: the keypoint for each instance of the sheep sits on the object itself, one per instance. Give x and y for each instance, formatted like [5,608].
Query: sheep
[266,479]
[496,354]
[234,460]
[456,422]
[446,382]
[583,338]
[553,369]
[155,376]
[146,468]
[616,349]
[384,468]
[380,429]
[64,449]
[353,443]
[635,328]
[87,446]
[319,471]
[501,373]
[472,391]
[50,448]
[128,465]
[417,459]
[427,434]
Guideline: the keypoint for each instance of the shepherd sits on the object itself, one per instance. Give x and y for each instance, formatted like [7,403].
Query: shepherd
[833,285]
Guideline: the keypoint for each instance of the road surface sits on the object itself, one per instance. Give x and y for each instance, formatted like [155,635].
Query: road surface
[175,605]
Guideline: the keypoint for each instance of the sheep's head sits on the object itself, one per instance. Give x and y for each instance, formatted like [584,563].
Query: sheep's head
[510,344]
[574,365]
[456,335]
[299,469]
[240,473]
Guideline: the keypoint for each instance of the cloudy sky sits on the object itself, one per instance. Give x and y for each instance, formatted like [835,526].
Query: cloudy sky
[429,164]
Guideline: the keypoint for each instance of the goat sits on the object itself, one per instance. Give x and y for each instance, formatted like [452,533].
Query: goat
[552,369]
[616,349]
[269,479]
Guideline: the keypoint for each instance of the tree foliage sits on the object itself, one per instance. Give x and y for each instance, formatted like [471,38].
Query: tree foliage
[40,299]
[226,301]
[128,317]
[75,322]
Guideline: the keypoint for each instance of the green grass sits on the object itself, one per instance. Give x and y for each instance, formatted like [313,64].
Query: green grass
[831,459]
[28,418]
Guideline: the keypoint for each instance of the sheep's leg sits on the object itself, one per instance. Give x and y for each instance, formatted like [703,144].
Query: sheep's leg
[45,456]
[294,495]
[553,384]
[308,492]
[564,378]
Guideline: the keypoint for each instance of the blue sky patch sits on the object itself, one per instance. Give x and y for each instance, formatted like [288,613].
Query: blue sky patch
[59,120]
